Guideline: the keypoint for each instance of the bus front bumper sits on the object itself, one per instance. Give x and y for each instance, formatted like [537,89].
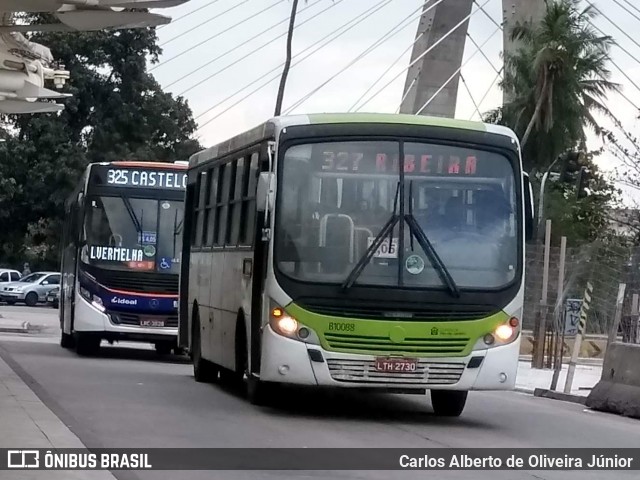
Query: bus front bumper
[90,320]
[290,361]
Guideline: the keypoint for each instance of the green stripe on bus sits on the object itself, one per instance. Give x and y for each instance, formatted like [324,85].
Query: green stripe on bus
[318,118]
[382,337]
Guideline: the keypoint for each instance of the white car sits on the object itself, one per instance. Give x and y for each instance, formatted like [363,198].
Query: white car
[30,289]
[8,275]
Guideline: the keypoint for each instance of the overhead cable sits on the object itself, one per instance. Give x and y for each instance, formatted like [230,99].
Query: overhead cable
[209,20]
[217,34]
[391,33]
[252,52]
[319,44]
[423,54]
[486,94]
[454,74]
[181,17]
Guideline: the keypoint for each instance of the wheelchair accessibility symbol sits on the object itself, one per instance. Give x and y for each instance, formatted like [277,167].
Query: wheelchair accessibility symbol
[165,263]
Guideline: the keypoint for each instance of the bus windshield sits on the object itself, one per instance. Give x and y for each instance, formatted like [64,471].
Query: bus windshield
[449,220]
[125,233]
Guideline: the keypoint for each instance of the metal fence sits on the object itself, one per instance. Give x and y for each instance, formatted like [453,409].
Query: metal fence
[613,271]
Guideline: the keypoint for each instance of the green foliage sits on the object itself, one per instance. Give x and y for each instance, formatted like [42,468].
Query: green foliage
[118,112]
[554,83]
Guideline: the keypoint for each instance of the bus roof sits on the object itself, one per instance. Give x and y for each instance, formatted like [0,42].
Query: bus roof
[273,126]
[137,164]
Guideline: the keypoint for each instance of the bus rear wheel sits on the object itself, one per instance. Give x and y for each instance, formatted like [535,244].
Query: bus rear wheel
[203,371]
[448,403]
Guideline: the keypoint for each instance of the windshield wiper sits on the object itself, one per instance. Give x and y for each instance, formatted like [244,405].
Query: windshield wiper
[132,214]
[377,241]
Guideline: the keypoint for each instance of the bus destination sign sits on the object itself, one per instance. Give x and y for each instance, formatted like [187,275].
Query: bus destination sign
[140,178]
[354,162]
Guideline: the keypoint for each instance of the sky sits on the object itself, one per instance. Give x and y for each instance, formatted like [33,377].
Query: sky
[198,61]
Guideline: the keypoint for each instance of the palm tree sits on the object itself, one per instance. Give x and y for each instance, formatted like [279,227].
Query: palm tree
[287,63]
[556,81]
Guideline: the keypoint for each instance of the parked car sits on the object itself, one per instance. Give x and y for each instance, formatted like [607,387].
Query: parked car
[30,289]
[53,297]
[8,275]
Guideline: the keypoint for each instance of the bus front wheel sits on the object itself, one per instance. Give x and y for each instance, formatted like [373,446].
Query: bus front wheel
[448,403]
[66,340]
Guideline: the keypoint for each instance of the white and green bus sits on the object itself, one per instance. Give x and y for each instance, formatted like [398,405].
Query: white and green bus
[366,251]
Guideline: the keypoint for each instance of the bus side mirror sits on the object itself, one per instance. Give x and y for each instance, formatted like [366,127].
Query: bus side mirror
[529,211]
[264,194]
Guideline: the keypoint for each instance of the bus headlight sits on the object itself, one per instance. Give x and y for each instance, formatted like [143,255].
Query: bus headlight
[503,334]
[284,324]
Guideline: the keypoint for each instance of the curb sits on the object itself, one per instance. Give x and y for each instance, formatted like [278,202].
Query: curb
[565,397]
[530,391]
[591,362]
[24,327]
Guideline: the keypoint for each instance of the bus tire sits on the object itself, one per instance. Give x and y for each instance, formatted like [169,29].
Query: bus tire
[203,371]
[66,340]
[87,345]
[448,403]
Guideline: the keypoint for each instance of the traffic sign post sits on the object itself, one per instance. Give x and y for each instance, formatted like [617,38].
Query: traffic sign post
[582,323]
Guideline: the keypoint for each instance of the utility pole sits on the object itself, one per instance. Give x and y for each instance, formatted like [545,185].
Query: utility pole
[287,63]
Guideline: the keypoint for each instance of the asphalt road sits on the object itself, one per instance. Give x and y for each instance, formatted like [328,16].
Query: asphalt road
[130,397]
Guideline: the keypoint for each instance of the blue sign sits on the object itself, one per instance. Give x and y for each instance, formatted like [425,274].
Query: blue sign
[165,263]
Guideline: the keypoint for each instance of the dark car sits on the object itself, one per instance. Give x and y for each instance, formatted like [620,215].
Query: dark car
[53,297]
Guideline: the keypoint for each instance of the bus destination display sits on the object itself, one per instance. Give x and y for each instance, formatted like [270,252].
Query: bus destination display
[125,177]
[457,163]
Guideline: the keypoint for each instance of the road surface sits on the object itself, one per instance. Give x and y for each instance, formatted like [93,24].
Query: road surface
[130,397]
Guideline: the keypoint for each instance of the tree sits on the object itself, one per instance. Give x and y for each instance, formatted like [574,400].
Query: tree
[118,111]
[557,81]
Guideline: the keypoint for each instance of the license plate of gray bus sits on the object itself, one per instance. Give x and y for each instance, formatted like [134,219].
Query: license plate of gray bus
[151,322]
[385,364]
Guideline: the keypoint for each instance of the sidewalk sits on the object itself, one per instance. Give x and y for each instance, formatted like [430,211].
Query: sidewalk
[529,379]
[26,422]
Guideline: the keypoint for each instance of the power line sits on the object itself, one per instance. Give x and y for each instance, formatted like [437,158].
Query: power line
[418,37]
[453,75]
[404,52]
[208,21]
[634,15]
[475,105]
[486,94]
[246,19]
[614,24]
[299,24]
[484,54]
[354,22]
[206,5]
[398,27]
[632,5]
[636,59]
[423,54]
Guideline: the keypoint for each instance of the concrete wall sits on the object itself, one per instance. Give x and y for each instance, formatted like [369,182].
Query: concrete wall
[435,68]
[619,389]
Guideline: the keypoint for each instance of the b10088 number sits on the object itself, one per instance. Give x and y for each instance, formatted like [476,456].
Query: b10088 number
[342,327]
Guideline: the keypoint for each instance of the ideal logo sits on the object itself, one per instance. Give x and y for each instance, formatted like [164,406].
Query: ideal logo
[123,301]
[434,331]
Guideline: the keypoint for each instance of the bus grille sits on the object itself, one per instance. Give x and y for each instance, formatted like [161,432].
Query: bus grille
[372,343]
[364,371]
[121,318]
